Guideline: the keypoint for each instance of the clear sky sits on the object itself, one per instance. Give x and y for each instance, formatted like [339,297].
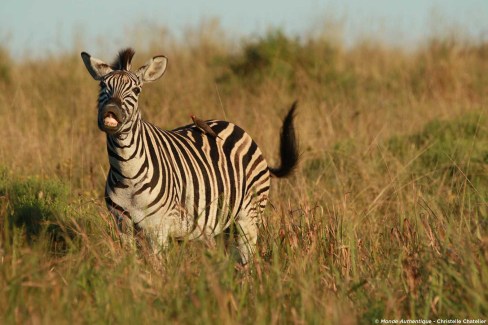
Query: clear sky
[28,27]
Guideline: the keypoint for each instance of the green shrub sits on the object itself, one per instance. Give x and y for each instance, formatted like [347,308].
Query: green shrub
[5,64]
[455,150]
[33,204]
[276,56]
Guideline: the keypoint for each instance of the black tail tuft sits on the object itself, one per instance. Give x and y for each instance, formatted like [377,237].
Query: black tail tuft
[288,146]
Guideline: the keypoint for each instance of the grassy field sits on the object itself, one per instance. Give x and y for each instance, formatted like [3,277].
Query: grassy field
[386,217]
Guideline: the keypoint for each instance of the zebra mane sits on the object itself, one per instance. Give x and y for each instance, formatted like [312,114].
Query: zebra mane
[123,59]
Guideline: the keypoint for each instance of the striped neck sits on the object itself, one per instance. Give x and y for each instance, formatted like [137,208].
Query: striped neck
[126,150]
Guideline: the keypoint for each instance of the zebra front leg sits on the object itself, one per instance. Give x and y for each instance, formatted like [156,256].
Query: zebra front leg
[125,228]
[158,240]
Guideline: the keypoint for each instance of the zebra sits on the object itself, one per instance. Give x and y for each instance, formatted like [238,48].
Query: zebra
[183,183]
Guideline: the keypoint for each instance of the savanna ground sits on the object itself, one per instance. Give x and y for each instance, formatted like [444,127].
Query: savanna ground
[385,218]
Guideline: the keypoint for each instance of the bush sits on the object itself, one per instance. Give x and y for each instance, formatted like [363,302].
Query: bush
[279,57]
[455,150]
[33,204]
[5,64]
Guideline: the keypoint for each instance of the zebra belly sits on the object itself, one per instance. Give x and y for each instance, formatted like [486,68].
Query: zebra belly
[175,220]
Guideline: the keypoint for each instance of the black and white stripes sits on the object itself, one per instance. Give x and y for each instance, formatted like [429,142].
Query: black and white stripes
[181,183]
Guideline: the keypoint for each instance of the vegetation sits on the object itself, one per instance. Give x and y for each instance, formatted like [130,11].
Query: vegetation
[386,218]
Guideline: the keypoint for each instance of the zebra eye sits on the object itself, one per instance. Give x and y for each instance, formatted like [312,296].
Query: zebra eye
[137,90]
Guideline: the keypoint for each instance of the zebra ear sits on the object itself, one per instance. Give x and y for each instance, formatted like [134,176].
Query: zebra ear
[153,69]
[97,68]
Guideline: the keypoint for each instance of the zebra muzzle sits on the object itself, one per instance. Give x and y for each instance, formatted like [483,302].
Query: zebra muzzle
[111,118]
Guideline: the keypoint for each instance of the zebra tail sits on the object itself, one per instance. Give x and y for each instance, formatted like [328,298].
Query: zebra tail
[288,146]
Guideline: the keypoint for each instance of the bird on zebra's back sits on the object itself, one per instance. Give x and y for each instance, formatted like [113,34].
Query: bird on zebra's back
[177,183]
[202,125]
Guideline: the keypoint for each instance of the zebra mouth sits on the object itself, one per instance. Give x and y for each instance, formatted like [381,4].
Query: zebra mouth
[111,117]
[110,120]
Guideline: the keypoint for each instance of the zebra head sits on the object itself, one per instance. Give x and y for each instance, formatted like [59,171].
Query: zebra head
[120,88]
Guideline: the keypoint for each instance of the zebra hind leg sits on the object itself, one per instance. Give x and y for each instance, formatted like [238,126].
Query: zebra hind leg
[247,235]
[247,224]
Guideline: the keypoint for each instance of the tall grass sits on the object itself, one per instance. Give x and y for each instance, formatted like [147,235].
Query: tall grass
[386,217]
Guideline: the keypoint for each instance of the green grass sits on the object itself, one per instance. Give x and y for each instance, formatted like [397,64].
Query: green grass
[386,217]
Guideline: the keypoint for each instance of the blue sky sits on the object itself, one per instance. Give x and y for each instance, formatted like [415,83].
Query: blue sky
[33,27]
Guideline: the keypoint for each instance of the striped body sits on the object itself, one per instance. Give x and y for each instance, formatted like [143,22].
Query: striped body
[185,183]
